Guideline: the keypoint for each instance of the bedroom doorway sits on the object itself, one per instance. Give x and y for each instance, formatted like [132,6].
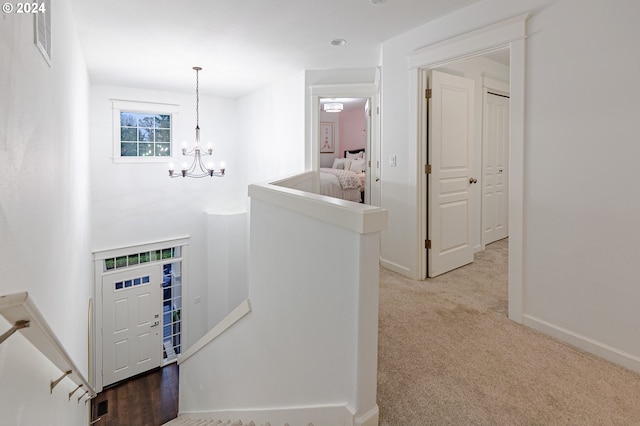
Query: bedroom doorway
[345,141]
[354,127]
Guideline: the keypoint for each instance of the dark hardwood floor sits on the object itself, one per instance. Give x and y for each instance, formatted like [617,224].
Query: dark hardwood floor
[149,399]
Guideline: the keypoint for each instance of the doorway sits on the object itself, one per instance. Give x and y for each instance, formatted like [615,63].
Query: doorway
[365,94]
[139,313]
[509,34]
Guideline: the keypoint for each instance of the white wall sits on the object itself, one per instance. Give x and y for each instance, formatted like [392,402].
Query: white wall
[308,346]
[44,211]
[271,131]
[139,203]
[580,201]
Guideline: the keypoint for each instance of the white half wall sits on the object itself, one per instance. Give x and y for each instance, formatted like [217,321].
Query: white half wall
[44,211]
[308,348]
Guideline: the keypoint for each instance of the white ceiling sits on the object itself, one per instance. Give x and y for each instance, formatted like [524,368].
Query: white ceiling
[241,45]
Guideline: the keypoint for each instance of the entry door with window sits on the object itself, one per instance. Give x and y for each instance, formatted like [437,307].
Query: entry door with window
[132,322]
[450,182]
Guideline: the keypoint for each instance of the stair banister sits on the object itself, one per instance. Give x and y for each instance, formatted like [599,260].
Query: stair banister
[20,310]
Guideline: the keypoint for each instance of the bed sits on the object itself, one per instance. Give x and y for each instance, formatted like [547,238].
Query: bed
[345,179]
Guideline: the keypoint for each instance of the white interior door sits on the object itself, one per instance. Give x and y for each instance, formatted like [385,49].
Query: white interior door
[495,159]
[131,322]
[450,154]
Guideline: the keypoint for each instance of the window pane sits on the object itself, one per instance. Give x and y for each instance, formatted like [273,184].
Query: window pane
[144,257]
[128,119]
[110,264]
[145,135]
[163,150]
[146,150]
[133,259]
[163,135]
[163,121]
[121,262]
[146,120]
[128,134]
[128,149]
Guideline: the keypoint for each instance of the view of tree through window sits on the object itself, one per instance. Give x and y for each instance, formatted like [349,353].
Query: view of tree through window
[145,134]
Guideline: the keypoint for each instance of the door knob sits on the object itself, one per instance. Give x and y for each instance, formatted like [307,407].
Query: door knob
[377,179]
[156,324]
[472,180]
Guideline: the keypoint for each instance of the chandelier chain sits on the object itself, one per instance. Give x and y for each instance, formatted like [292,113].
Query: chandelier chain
[197,98]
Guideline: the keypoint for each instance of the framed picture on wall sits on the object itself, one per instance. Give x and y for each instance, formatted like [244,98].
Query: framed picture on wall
[327,143]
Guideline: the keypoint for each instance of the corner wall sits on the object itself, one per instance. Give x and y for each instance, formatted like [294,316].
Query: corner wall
[44,211]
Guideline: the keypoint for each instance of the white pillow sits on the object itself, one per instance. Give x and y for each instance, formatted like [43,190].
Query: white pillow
[357,166]
[341,163]
[356,156]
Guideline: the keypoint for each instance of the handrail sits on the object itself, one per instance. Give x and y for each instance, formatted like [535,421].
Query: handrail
[234,316]
[19,310]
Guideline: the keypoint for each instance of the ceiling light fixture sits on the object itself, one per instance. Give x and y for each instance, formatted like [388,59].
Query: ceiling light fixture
[197,168]
[378,1]
[333,107]
[338,42]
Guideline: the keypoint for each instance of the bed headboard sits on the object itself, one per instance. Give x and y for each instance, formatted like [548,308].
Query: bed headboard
[352,151]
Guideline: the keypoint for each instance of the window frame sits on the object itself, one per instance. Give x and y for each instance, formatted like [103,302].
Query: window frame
[119,106]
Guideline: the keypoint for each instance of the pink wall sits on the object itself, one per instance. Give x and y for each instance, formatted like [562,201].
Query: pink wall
[352,130]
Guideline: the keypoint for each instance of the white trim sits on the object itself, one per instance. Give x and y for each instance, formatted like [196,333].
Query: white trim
[600,349]
[395,267]
[133,248]
[335,415]
[118,105]
[474,43]
[510,33]
[234,316]
[369,418]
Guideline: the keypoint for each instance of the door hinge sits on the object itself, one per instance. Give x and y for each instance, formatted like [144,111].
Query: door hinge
[427,169]
[427,244]
[378,110]
[427,93]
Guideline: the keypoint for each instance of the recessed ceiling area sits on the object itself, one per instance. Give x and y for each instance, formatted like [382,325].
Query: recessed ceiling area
[241,45]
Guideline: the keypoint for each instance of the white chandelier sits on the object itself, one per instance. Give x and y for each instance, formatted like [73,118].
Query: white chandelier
[197,168]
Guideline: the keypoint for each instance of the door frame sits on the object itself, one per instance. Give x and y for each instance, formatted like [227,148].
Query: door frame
[508,34]
[358,90]
[99,256]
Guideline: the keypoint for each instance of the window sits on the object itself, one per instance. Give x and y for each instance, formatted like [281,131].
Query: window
[143,132]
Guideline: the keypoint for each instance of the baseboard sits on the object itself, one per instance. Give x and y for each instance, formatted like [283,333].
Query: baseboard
[325,415]
[368,419]
[600,349]
[403,270]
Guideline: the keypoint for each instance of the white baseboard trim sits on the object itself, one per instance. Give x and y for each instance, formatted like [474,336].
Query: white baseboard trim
[369,418]
[324,415]
[600,349]
[403,270]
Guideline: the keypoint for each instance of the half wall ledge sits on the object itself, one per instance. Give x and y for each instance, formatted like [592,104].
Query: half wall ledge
[356,217]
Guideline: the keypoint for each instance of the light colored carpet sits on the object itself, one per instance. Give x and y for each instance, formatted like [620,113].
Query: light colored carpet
[448,355]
